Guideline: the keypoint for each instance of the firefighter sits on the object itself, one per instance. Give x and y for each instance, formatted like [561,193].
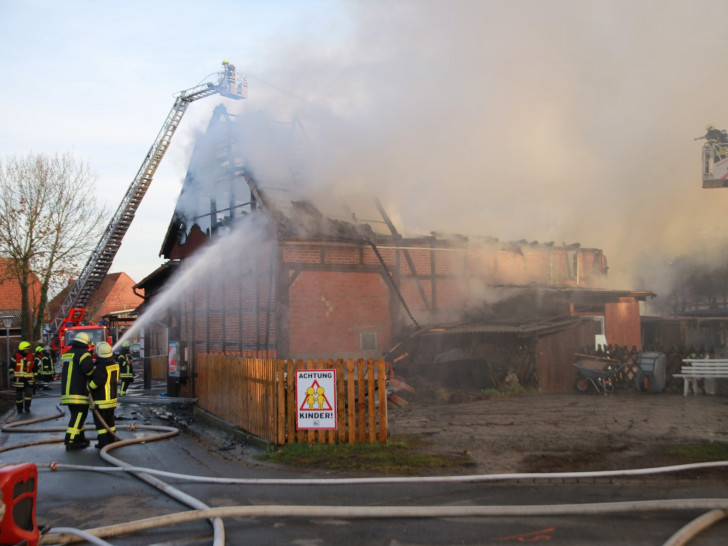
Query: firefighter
[102,390]
[713,134]
[36,367]
[78,365]
[23,377]
[46,367]
[125,367]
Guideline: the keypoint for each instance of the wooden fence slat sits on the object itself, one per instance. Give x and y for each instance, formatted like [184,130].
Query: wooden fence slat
[382,380]
[371,401]
[351,401]
[291,402]
[280,420]
[331,434]
[341,399]
[361,400]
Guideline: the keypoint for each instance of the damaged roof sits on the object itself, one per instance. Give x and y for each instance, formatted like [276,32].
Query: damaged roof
[221,186]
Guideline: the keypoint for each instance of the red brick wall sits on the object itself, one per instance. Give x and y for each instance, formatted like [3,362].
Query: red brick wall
[329,310]
[334,292]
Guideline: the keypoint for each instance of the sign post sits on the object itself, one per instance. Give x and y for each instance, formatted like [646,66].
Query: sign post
[7,322]
[316,399]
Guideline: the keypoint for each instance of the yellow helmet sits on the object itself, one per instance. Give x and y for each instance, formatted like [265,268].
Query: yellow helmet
[103,350]
[82,337]
[710,127]
[24,345]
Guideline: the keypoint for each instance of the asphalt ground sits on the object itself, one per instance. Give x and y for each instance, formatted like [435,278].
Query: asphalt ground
[86,500]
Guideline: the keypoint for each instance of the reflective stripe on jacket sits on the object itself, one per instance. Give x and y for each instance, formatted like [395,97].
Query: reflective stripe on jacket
[78,365]
[104,381]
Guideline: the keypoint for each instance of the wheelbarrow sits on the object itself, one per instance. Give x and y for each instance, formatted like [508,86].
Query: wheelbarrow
[596,375]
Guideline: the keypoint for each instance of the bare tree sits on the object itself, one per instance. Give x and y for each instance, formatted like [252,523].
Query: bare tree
[49,222]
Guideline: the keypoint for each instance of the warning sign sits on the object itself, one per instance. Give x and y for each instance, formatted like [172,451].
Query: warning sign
[315,399]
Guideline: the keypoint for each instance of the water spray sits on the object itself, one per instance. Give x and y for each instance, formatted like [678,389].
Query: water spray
[218,260]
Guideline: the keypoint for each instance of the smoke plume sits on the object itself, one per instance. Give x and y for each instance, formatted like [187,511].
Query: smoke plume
[553,121]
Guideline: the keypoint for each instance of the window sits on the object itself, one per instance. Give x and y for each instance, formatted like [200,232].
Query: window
[368,341]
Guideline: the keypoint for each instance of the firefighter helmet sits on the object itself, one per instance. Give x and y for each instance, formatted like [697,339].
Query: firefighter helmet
[125,344]
[47,348]
[24,345]
[82,337]
[103,349]
[39,349]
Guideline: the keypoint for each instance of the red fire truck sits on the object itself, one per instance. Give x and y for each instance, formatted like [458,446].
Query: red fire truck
[73,324]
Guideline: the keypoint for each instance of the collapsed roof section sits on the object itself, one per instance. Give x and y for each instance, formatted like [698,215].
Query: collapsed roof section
[244,164]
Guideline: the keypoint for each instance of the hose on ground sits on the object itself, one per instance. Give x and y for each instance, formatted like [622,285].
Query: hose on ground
[469,478]
[184,498]
[384,512]
[718,507]
[88,537]
[695,527]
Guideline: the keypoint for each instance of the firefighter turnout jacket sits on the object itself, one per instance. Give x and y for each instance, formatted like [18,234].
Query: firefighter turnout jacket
[104,382]
[78,365]
[126,371]
[46,364]
[24,369]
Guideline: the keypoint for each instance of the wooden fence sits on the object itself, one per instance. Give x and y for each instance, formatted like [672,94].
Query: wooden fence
[259,396]
[158,367]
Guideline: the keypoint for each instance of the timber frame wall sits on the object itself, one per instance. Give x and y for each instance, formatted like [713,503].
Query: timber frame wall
[306,299]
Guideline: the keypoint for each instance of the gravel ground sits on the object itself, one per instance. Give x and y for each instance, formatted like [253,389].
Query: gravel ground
[554,432]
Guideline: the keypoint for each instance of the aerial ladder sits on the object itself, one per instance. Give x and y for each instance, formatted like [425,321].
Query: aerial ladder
[229,84]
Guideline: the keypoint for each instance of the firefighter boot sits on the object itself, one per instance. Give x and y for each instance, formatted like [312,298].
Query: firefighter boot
[78,443]
[27,406]
[19,407]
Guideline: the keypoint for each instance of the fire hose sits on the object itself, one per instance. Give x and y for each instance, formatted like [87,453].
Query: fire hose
[718,508]
[168,432]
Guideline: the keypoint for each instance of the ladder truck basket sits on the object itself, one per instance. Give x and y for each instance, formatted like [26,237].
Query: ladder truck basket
[715,165]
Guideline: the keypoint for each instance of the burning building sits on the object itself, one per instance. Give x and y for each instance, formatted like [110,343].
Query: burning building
[258,268]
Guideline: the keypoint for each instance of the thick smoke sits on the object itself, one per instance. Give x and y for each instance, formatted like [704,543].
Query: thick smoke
[554,121]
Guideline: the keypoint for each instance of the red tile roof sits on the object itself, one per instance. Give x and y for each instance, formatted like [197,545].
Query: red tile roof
[114,294]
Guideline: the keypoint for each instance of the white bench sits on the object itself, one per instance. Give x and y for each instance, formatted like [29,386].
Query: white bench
[702,368]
